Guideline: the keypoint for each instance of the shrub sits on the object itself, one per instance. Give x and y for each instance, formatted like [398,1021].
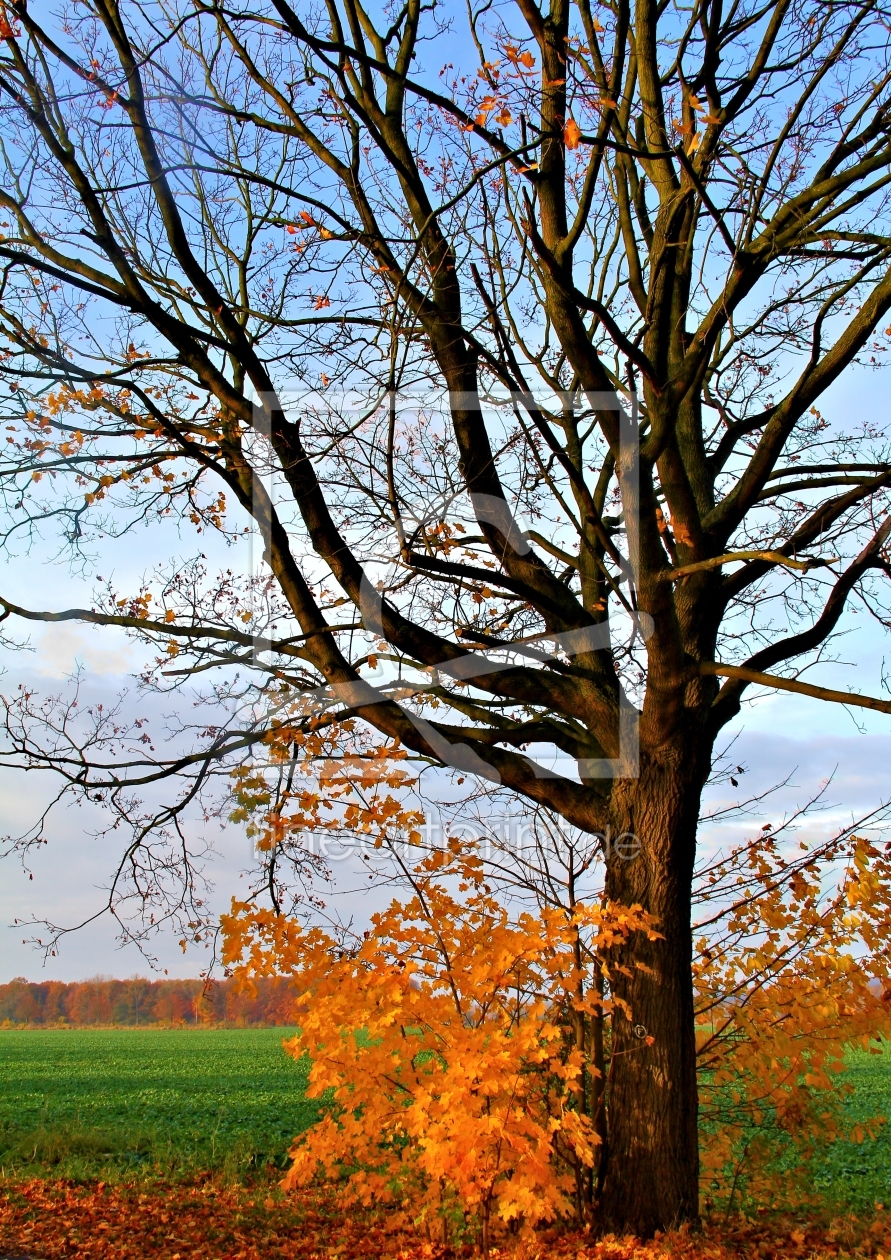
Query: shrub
[447,1042]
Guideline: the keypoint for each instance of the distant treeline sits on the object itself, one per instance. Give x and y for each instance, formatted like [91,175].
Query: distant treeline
[142,1003]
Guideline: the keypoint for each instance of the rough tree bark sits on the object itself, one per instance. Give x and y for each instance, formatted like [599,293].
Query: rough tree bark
[652,1164]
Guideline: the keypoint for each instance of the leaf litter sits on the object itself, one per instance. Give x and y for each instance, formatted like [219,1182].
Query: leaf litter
[42,1220]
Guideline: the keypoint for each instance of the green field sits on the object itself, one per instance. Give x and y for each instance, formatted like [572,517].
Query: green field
[857,1175]
[109,1104]
[89,1103]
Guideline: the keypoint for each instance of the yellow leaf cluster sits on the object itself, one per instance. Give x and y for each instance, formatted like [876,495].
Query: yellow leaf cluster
[442,1042]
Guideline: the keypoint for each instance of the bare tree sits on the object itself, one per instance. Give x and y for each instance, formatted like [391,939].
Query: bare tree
[506,331]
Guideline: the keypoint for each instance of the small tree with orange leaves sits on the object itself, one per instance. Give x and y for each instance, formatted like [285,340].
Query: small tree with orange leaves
[445,1040]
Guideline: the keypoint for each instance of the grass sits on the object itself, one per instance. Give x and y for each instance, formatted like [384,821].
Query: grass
[90,1104]
[857,1175]
[111,1104]
[841,1177]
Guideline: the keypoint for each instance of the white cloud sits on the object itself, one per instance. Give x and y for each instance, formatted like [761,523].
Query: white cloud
[62,647]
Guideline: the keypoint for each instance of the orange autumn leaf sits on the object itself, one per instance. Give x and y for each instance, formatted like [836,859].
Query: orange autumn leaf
[682,533]
[522,60]
[572,134]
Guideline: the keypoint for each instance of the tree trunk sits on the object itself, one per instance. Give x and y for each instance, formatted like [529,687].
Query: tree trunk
[652,1160]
